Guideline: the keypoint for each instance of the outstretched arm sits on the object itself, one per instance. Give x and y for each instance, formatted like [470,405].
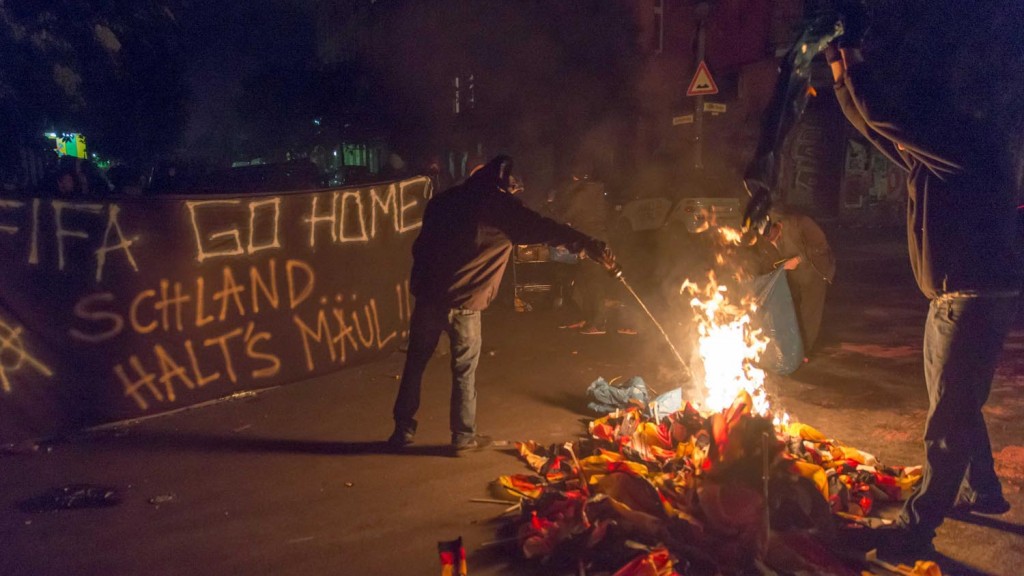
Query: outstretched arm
[524,226]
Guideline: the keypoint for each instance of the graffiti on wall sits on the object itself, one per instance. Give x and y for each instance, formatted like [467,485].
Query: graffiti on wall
[809,170]
[162,302]
[869,178]
[15,358]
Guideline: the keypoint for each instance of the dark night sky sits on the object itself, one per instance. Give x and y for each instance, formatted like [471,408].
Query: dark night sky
[229,40]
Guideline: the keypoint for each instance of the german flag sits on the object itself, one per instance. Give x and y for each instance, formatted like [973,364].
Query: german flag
[453,557]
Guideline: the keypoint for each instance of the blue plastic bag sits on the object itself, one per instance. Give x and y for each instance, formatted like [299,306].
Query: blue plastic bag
[562,255]
[668,403]
[776,317]
[605,398]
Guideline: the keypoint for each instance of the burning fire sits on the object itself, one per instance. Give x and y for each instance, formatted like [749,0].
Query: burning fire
[729,235]
[729,346]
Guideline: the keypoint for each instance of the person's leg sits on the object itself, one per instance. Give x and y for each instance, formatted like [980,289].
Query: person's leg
[796,292]
[571,302]
[963,338]
[425,328]
[593,290]
[981,485]
[812,305]
[575,310]
[562,289]
[601,283]
[464,331]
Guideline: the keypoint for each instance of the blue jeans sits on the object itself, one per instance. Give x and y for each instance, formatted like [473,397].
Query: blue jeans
[425,328]
[962,341]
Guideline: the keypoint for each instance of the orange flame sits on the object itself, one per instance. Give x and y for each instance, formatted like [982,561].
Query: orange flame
[729,346]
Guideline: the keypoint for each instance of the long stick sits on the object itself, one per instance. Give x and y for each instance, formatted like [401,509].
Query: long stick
[765,473]
[655,322]
[492,501]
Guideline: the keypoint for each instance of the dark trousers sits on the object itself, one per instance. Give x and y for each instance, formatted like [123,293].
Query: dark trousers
[425,328]
[591,290]
[809,300]
[962,341]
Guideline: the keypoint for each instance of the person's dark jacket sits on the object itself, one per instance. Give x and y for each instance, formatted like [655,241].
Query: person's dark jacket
[801,236]
[467,236]
[961,222]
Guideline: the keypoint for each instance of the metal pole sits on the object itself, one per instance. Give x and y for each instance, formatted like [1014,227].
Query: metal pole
[654,321]
[765,477]
[698,111]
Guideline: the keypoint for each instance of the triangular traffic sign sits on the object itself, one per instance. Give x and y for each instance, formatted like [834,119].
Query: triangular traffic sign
[702,84]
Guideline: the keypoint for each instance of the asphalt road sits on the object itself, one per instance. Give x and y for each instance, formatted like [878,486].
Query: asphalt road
[295,480]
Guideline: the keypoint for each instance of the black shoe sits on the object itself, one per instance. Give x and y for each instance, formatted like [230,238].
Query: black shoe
[902,543]
[401,438]
[471,443]
[980,504]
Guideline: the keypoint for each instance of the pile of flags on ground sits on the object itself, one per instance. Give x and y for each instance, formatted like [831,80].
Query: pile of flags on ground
[729,493]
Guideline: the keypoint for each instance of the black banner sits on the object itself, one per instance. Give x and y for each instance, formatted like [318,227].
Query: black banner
[125,307]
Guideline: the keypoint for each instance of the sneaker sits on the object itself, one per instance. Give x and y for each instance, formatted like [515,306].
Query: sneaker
[627,331]
[471,443]
[401,438]
[573,325]
[981,504]
[591,330]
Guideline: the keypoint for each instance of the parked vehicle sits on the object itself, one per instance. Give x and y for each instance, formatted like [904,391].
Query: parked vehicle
[698,214]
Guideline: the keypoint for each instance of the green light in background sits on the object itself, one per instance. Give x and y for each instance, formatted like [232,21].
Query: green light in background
[68,144]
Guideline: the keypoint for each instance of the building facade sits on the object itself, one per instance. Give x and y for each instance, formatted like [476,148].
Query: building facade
[712,138]
[607,82]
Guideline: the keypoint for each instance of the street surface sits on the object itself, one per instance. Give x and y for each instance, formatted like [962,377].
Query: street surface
[296,481]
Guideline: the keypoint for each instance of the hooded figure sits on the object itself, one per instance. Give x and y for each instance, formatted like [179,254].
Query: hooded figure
[458,262]
[801,247]
[964,245]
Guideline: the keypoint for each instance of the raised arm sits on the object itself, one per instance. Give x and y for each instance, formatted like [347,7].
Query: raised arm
[855,116]
[889,124]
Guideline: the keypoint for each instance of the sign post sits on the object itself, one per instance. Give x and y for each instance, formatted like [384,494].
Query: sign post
[684,119]
[701,85]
